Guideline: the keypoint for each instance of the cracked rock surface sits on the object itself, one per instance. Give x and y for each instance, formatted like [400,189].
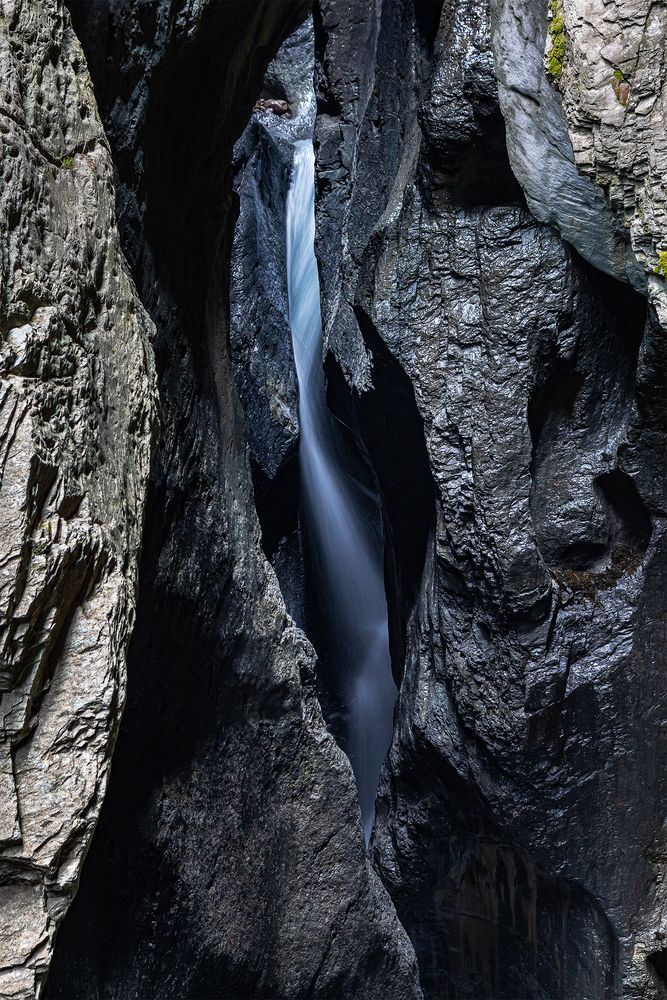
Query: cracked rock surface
[489,239]
[615,103]
[76,407]
[520,827]
[589,147]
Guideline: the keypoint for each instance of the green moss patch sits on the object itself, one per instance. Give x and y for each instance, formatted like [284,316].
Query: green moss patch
[661,269]
[556,56]
[620,86]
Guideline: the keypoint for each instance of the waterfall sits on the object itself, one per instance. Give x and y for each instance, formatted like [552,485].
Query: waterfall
[344,546]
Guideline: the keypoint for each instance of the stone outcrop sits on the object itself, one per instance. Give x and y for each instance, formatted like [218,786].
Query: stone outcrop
[540,147]
[260,338]
[612,88]
[588,141]
[77,406]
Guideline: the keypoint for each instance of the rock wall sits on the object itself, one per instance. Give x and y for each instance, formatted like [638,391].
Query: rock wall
[489,238]
[77,406]
[612,86]
[229,860]
[520,817]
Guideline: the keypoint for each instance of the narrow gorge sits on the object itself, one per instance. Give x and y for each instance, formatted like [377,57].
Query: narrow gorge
[334,402]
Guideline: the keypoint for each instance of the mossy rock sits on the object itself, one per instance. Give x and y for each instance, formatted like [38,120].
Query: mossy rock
[556,55]
[661,268]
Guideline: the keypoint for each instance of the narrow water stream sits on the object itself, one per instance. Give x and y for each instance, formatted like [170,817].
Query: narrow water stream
[344,546]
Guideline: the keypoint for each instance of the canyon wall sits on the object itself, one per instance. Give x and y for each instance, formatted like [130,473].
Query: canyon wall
[520,828]
[77,408]
[490,226]
[229,858]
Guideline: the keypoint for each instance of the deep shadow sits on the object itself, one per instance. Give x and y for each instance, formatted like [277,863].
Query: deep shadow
[389,432]
[585,378]
[629,520]
[427,21]
[132,929]
[658,959]
[479,172]
[276,501]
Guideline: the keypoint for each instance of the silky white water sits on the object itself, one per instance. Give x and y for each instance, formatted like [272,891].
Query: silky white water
[344,548]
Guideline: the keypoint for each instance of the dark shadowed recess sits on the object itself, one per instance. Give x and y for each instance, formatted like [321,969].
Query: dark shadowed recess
[479,173]
[475,172]
[133,928]
[277,505]
[388,432]
[427,20]
[658,959]
[486,921]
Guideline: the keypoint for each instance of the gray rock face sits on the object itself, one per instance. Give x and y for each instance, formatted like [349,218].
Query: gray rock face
[589,148]
[262,358]
[540,146]
[615,105]
[520,822]
[77,401]
[509,398]
[368,93]
[229,860]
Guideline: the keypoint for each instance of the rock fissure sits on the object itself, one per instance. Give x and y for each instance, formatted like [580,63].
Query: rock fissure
[489,231]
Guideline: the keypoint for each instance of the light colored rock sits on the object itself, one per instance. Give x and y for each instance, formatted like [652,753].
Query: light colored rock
[590,149]
[613,97]
[540,146]
[76,409]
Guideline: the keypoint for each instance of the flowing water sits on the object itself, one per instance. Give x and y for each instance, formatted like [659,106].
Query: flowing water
[344,546]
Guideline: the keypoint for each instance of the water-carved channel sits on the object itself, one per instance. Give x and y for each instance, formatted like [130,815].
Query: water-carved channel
[343,538]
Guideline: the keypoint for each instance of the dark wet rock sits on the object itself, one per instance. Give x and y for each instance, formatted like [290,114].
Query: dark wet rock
[262,358]
[263,364]
[367,101]
[520,824]
[506,399]
[229,860]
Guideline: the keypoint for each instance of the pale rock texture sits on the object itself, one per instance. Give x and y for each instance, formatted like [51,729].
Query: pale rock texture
[615,104]
[590,147]
[77,405]
[539,144]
